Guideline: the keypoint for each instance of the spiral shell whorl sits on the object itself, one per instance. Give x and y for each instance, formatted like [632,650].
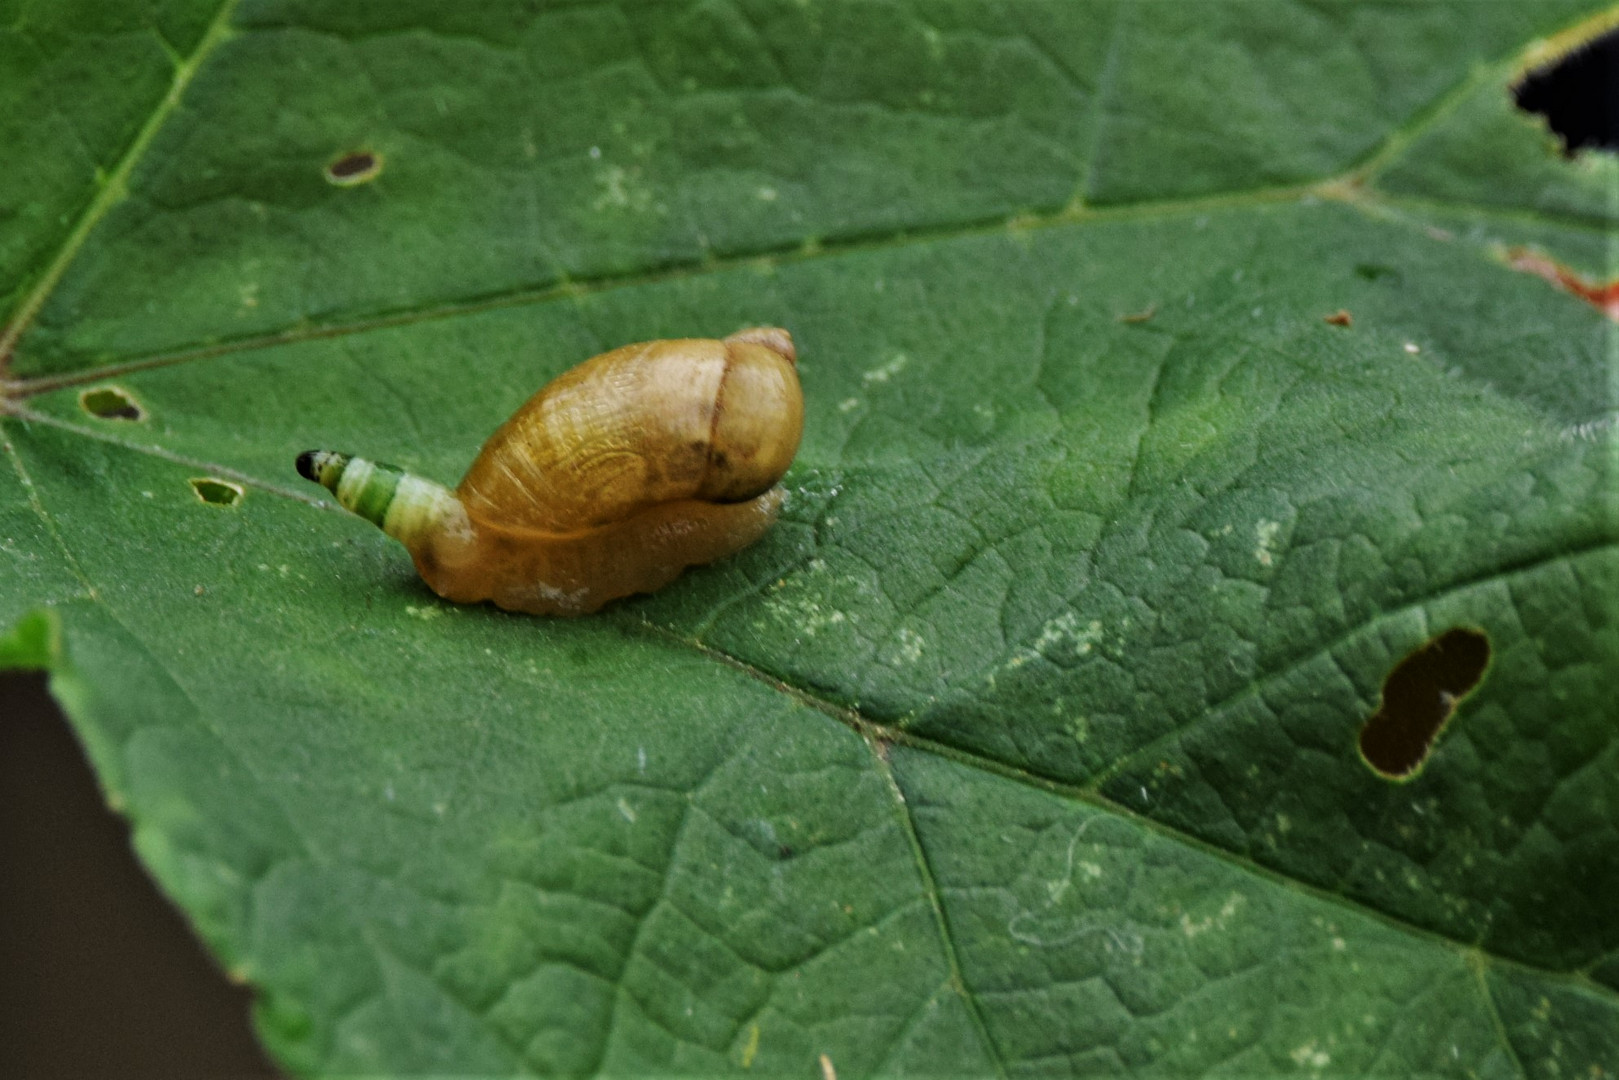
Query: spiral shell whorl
[649,423]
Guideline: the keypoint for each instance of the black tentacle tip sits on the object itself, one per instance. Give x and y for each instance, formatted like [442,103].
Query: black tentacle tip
[306,465]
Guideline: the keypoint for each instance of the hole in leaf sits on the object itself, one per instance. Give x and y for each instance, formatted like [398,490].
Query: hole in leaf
[216,492]
[354,167]
[1419,696]
[111,403]
[1578,94]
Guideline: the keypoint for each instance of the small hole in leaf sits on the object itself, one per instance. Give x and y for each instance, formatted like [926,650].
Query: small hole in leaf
[1578,95]
[216,492]
[111,403]
[1419,696]
[355,167]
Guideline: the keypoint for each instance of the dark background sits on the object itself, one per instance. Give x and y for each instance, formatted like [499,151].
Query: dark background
[100,976]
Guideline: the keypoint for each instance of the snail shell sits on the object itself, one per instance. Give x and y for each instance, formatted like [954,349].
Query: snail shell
[610,481]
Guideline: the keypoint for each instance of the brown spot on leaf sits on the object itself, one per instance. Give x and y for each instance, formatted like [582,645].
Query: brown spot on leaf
[1340,318]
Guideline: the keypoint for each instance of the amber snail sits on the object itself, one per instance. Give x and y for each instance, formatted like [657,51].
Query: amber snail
[610,481]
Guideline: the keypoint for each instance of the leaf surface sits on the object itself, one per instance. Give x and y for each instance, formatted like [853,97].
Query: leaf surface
[1026,743]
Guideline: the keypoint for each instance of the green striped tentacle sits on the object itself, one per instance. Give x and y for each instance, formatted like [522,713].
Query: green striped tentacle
[403,505]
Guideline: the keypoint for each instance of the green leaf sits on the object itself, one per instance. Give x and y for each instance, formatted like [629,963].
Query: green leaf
[1026,743]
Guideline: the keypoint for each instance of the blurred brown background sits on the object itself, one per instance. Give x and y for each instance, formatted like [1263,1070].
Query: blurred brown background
[99,974]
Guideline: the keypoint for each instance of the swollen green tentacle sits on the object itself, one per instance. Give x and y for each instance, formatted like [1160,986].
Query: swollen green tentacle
[403,505]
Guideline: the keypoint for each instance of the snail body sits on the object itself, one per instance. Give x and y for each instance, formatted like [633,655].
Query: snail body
[610,481]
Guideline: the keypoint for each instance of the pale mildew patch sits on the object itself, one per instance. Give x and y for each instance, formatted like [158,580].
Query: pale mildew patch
[1046,927]
[1065,633]
[886,371]
[1194,927]
[1061,640]
[621,190]
[798,605]
[1590,430]
[425,613]
[1079,727]
[1265,533]
[1310,1056]
[911,646]
[626,810]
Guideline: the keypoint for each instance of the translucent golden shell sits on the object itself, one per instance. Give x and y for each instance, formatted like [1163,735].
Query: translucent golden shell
[622,472]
